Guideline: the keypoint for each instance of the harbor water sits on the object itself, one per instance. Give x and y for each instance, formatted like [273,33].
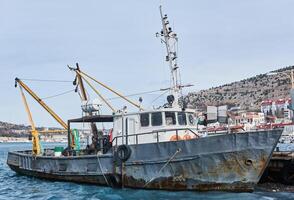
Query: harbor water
[13,186]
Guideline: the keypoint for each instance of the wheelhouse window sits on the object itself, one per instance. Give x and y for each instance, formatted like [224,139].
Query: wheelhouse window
[170,118]
[191,119]
[182,118]
[156,119]
[144,119]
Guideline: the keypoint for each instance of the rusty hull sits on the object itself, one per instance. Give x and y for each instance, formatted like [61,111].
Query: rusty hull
[80,169]
[229,162]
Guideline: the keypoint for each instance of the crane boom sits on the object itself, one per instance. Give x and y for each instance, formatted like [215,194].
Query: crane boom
[42,103]
[27,109]
[35,133]
[81,84]
[83,74]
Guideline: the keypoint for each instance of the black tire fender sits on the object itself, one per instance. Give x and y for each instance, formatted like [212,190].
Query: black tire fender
[123,152]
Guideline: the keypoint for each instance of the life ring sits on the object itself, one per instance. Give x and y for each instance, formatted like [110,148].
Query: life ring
[187,137]
[175,138]
[123,152]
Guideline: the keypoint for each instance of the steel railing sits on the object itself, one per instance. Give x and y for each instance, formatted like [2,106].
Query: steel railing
[115,139]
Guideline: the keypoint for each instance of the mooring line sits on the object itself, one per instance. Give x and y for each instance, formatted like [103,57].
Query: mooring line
[102,170]
[171,158]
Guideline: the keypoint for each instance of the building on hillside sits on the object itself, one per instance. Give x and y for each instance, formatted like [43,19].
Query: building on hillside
[250,119]
[277,108]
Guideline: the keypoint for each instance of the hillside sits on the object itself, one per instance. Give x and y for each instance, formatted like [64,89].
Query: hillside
[247,93]
[14,130]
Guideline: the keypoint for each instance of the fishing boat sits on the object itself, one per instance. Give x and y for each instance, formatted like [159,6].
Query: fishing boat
[159,148]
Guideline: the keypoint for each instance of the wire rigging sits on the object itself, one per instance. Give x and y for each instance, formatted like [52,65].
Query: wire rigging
[59,94]
[51,80]
[46,80]
[159,97]
[135,94]
[73,90]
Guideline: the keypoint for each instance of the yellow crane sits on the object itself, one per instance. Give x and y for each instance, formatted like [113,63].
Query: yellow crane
[35,133]
[79,81]
[83,76]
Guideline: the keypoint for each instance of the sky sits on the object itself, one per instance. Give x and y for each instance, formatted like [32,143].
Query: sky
[220,41]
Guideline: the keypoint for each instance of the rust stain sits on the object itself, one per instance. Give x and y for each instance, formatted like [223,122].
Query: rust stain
[263,163]
[233,187]
[228,166]
[170,183]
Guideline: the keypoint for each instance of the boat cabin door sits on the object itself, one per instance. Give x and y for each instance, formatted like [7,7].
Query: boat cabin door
[130,130]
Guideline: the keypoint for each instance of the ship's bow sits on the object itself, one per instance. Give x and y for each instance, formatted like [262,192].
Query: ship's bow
[228,162]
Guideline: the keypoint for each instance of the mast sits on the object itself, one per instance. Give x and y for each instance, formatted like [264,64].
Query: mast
[84,97]
[170,39]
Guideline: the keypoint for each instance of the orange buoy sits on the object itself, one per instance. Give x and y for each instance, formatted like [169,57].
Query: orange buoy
[110,135]
[175,138]
[187,137]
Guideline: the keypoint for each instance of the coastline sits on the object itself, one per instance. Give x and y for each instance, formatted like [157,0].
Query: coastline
[26,139]
[13,139]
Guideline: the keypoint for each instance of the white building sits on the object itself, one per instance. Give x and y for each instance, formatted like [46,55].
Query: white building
[278,108]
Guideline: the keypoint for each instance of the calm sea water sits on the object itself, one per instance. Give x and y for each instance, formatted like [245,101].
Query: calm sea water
[13,186]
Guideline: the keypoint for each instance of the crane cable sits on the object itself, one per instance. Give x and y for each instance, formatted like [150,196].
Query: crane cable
[59,94]
[69,91]
[46,80]
[135,94]
[51,80]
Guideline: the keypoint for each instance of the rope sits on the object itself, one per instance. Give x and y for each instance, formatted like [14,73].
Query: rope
[171,158]
[59,94]
[102,170]
[46,80]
